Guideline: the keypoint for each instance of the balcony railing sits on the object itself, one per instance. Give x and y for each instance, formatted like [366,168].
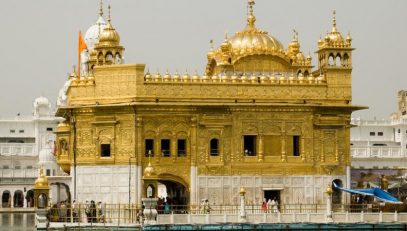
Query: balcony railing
[374,151]
[7,149]
[19,173]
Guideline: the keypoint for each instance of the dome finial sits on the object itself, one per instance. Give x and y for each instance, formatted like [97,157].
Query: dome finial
[226,35]
[108,17]
[334,21]
[101,8]
[295,35]
[250,17]
[211,45]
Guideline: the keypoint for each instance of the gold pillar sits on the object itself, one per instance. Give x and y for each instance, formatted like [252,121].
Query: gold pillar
[283,154]
[261,148]
[302,147]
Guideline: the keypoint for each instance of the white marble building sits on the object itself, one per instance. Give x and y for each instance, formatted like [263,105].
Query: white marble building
[26,143]
[379,148]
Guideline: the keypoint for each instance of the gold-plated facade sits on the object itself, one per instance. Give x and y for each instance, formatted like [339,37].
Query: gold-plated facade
[258,110]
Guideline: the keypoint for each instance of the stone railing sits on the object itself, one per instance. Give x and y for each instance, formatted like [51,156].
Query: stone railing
[374,151]
[8,149]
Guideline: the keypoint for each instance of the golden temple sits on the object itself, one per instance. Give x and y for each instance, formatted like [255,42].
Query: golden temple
[259,117]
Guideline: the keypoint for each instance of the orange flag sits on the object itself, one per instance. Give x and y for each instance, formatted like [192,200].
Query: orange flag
[81,46]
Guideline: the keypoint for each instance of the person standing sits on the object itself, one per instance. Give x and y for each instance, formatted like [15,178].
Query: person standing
[274,205]
[264,205]
[100,212]
[87,211]
[93,211]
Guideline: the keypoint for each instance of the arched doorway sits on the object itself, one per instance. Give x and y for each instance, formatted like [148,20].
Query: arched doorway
[30,198]
[60,192]
[18,199]
[337,194]
[5,199]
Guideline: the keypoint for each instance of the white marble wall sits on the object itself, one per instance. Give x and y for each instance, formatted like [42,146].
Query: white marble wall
[109,183]
[294,189]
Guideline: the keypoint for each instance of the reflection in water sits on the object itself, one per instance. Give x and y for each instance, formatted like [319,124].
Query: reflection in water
[17,221]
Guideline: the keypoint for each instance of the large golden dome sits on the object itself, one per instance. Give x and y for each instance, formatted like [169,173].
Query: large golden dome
[254,39]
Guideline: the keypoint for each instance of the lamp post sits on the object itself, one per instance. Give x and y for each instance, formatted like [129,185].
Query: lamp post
[242,204]
[329,192]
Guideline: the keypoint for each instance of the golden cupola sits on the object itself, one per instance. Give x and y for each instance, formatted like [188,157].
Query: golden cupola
[242,52]
[334,38]
[108,50]
[294,46]
[41,182]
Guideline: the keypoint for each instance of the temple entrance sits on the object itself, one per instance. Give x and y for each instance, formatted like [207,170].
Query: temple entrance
[174,192]
[173,195]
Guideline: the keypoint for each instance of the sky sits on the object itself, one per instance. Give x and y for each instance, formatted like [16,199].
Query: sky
[38,42]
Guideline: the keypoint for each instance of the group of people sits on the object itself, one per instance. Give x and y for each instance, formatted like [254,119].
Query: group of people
[90,212]
[204,206]
[269,206]
[94,213]
[164,205]
[60,212]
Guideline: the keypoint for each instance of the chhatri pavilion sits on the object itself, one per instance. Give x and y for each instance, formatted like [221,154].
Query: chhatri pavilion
[261,116]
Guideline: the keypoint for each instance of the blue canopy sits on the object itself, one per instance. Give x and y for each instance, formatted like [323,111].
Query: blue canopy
[376,192]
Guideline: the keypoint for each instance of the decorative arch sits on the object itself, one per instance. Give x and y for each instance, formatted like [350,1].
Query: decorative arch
[18,199]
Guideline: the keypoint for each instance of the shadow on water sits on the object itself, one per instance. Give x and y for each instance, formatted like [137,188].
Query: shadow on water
[17,221]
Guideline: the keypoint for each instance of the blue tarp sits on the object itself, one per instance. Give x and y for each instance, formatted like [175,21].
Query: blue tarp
[376,192]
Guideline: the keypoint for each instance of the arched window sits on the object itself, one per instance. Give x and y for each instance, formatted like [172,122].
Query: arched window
[338,60]
[345,60]
[214,147]
[331,60]
[118,59]
[109,57]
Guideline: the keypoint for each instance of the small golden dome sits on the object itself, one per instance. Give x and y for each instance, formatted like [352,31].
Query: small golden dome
[109,35]
[63,126]
[195,76]
[176,76]
[335,37]
[157,75]
[148,75]
[167,76]
[149,172]
[300,58]
[41,182]
[185,77]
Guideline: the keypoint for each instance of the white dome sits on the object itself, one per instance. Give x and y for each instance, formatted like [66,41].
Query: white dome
[41,101]
[92,34]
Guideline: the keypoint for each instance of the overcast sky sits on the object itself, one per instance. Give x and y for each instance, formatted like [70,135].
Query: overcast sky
[38,41]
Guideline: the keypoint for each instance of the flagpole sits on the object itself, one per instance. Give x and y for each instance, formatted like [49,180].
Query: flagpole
[79,55]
